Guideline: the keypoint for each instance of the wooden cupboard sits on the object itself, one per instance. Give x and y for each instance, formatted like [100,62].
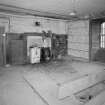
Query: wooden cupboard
[18,52]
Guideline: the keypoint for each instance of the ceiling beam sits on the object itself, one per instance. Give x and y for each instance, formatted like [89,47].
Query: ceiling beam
[17,10]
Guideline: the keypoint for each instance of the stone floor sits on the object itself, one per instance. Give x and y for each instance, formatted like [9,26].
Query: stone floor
[14,90]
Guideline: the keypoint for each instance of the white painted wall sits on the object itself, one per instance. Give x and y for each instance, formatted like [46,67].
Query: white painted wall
[21,24]
[78,31]
[4,23]
[78,38]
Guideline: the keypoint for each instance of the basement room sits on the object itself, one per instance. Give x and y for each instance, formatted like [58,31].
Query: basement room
[52,52]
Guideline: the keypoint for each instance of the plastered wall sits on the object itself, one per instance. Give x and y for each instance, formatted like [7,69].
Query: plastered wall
[4,22]
[78,38]
[21,24]
[77,31]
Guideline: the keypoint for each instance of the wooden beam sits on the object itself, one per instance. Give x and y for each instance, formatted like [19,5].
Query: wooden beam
[19,10]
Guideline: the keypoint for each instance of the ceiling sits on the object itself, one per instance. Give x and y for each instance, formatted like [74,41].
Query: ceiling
[55,8]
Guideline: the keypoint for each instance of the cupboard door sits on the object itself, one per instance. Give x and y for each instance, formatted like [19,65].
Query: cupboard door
[18,52]
[59,45]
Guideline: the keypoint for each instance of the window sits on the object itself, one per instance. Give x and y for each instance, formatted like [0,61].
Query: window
[102,36]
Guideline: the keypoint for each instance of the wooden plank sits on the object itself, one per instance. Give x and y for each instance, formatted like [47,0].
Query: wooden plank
[68,89]
[23,24]
[78,39]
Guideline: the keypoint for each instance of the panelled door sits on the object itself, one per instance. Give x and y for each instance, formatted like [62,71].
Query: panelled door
[97,53]
[18,51]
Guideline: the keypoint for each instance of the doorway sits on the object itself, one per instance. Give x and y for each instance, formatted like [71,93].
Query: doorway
[2,31]
[98,40]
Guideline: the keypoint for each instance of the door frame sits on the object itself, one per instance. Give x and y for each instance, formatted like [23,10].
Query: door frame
[4,22]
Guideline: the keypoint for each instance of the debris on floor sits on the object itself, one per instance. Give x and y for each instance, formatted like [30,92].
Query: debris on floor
[88,94]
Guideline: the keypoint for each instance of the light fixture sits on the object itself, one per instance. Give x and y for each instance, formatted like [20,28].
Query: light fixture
[73,13]
[37,23]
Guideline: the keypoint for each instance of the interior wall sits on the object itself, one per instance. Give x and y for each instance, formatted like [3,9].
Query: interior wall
[21,24]
[78,38]
[4,22]
[77,31]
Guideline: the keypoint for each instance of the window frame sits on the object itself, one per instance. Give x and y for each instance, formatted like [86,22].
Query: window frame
[102,35]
